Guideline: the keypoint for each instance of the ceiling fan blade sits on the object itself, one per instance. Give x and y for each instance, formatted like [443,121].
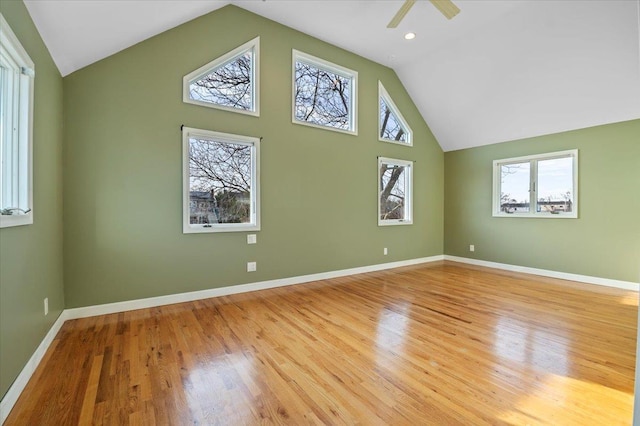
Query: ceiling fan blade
[404,9]
[448,9]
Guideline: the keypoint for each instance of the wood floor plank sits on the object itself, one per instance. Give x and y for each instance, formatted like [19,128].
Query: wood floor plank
[441,343]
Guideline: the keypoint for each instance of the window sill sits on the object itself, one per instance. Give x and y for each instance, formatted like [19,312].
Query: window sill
[537,216]
[201,229]
[254,113]
[395,222]
[395,142]
[353,132]
[9,221]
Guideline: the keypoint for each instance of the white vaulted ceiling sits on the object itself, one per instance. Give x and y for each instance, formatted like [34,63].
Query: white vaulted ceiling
[499,71]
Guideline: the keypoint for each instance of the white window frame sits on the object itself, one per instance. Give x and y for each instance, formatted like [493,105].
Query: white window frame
[314,61]
[384,95]
[251,45]
[16,148]
[533,177]
[254,225]
[408,202]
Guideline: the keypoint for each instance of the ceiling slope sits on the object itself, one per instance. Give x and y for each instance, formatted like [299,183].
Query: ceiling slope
[498,71]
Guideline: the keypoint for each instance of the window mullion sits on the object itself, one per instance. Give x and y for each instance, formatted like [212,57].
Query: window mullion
[6,135]
[533,188]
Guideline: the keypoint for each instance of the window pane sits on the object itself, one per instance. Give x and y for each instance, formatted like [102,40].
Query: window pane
[10,166]
[219,182]
[555,185]
[5,138]
[322,97]
[393,187]
[229,85]
[514,187]
[390,126]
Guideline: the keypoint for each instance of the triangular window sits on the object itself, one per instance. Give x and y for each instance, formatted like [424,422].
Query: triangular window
[229,82]
[392,127]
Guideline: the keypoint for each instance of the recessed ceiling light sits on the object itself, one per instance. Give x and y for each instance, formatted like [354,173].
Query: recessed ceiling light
[409,36]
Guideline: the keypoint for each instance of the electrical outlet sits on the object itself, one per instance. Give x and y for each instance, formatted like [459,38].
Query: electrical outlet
[472,247]
[385,251]
[46,306]
[252,239]
[251,266]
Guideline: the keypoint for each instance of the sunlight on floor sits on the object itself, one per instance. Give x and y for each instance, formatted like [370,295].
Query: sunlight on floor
[391,334]
[630,299]
[531,346]
[210,389]
[549,401]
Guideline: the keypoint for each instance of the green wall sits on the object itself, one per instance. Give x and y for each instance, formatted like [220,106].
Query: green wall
[603,242]
[123,223]
[31,256]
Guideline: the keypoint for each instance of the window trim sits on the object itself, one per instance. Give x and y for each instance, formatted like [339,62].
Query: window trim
[254,225]
[533,177]
[298,56]
[23,130]
[254,46]
[384,95]
[408,206]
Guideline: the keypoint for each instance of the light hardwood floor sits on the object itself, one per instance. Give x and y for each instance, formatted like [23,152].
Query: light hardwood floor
[436,344]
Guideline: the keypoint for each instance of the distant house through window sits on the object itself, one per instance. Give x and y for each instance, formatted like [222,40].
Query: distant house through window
[229,82]
[221,182]
[324,94]
[392,127]
[544,185]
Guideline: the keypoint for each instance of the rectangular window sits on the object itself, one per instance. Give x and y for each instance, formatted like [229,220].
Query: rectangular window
[220,182]
[16,111]
[395,188]
[324,94]
[543,185]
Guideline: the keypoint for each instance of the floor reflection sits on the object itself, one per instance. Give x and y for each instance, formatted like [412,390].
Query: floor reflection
[212,392]
[531,346]
[391,332]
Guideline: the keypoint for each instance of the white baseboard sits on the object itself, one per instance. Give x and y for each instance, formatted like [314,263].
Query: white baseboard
[151,302]
[10,398]
[625,285]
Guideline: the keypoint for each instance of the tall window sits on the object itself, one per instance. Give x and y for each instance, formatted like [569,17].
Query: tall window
[16,111]
[324,94]
[395,191]
[220,182]
[543,185]
[392,127]
[229,82]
